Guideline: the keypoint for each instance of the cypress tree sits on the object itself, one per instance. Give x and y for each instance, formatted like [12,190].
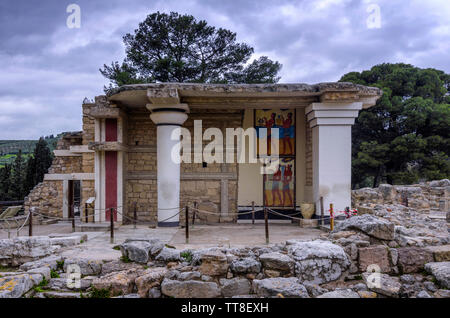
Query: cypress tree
[17,186]
[30,178]
[5,181]
[42,160]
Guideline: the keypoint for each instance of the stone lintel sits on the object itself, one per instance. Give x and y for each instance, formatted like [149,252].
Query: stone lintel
[107,146]
[241,96]
[68,176]
[65,153]
[106,112]
[173,91]
[163,95]
[342,96]
[79,149]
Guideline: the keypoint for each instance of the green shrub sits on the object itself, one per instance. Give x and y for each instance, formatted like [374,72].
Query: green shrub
[100,293]
[54,274]
[60,265]
[187,256]
[125,259]
[40,288]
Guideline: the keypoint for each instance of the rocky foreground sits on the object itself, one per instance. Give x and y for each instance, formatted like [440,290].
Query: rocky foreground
[390,251]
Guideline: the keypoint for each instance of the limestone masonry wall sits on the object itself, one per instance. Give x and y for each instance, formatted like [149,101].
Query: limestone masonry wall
[87,159]
[197,184]
[47,196]
[433,195]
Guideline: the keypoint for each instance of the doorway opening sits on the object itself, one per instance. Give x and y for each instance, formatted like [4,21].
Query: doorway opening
[74,198]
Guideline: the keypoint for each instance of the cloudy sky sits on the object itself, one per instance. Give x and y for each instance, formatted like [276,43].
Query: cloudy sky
[46,68]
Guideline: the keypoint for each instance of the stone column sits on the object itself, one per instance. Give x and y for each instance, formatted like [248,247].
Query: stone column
[168,119]
[332,149]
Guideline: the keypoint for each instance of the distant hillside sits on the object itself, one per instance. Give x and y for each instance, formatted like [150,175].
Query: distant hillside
[10,148]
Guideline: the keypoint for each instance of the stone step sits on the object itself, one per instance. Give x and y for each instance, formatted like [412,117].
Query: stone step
[48,221]
[59,294]
[95,227]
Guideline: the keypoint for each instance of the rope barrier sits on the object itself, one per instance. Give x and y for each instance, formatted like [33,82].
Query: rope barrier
[294,218]
[142,222]
[28,217]
[17,224]
[348,213]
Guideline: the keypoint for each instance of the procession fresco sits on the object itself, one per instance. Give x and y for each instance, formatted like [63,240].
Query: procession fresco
[284,120]
[278,187]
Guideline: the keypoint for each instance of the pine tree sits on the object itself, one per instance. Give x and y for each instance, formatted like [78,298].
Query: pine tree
[405,137]
[178,48]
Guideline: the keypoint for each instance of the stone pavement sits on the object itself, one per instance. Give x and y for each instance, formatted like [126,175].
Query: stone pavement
[99,247]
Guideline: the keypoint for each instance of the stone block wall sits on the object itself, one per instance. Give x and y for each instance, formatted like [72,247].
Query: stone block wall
[88,124]
[47,196]
[144,194]
[433,195]
[66,165]
[141,166]
[87,159]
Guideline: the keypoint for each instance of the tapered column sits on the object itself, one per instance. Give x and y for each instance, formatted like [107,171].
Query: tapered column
[331,125]
[168,120]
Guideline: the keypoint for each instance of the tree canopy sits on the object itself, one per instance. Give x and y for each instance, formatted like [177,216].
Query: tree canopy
[405,137]
[18,179]
[178,48]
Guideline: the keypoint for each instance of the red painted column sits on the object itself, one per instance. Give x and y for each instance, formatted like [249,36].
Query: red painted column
[111,169]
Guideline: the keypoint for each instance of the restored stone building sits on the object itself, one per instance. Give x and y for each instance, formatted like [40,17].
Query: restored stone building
[121,159]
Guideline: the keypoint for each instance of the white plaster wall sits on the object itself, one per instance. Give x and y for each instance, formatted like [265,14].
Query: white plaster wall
[332,166]
[300,160]
[250,183]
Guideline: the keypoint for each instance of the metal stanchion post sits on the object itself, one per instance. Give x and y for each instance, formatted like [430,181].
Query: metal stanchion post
[86,213]
[135,215]
[111,218]
[331,217]
[72,212]
[322,221]
[30,223]
[193,213]
[187,224]
[253,212]
[266,221]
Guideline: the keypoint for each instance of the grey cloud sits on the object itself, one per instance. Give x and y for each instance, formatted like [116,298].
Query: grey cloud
[48,69]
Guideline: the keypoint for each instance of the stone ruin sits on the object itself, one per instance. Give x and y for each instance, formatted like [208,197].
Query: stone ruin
[423,197]
[391,249]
